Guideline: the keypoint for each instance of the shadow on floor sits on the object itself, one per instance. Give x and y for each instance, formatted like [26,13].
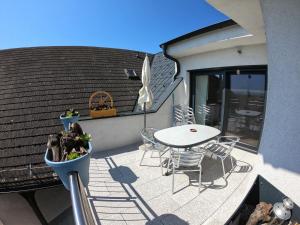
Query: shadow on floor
[212,171]
[123,204]
[114,199]
[167,219]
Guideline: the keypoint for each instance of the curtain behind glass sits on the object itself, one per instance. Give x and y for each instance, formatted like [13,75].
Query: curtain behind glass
[201,94]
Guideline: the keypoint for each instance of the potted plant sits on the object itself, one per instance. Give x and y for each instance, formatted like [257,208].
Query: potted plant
[70,151]
[68,117]
[101,105]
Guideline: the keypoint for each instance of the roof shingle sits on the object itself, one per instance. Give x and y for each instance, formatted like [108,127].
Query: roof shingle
[37,84]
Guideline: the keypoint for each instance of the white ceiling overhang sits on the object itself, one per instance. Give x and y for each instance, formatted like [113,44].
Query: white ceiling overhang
[246,13]
[248,31]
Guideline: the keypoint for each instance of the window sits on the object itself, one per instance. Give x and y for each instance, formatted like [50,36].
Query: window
[131,74]
[231,99]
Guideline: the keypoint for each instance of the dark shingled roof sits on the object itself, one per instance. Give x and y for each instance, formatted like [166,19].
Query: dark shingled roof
[36,85]
[162,72]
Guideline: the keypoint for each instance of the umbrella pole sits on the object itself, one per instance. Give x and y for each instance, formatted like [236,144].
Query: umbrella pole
[144,115]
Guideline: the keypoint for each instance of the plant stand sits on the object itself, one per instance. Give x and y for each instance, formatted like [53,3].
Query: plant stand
[66,121]
[80,165]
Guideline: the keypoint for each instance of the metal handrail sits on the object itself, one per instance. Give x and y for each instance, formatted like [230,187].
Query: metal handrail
[81,209]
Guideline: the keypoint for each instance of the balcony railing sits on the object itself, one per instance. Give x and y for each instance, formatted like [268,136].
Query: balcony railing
[81,209]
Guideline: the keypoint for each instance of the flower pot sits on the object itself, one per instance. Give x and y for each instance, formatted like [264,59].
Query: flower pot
[80,165]
[66,121]
[103,113]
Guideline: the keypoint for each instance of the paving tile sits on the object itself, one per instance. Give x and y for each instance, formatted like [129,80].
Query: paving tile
[163,204]
[159,186]
[115,219]
[172,219]
[134,216]
[196,211]
[144,196]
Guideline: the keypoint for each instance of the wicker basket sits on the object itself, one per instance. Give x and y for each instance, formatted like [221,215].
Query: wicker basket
[100,99]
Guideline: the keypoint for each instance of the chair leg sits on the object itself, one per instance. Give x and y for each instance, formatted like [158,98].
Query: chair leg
[231,162]
[173,180]
[169,160]
[160,164]
[143,156]
[200,183]
[223,168]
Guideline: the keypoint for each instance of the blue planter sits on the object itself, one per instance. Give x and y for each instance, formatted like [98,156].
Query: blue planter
[67,121]
[80,165]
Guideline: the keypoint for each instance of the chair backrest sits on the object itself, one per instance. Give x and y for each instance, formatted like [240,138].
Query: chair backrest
[229,141]
[148,134]
[183,114]
[186,158]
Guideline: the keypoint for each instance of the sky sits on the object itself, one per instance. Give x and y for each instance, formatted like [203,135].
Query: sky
[128,24]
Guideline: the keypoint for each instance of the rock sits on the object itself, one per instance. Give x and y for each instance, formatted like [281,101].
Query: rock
[76,128]
[261,213]
[53,145]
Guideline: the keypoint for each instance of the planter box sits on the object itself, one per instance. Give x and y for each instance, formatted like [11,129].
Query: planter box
[67,121]
[103,113]
[80,165]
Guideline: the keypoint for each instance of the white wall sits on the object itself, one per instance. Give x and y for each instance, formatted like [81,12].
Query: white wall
[50,206]
[248,14]
[224,38]
[251,55]
[15,210]
[280,147]
[111,133]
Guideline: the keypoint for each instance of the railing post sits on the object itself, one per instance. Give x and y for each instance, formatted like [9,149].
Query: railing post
[80,207]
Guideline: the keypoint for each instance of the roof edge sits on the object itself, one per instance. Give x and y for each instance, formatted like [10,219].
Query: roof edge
[223,24]
[156,107]
[74,46]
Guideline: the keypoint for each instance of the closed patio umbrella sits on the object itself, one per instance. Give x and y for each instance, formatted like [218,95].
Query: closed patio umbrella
[145,95]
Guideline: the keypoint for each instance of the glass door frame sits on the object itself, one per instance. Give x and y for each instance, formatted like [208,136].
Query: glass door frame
[193,75]
[224,72]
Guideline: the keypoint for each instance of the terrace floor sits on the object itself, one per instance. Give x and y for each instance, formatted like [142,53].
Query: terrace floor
[121,192]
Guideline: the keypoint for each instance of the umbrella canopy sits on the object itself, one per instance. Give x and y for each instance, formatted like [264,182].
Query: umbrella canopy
[145,94]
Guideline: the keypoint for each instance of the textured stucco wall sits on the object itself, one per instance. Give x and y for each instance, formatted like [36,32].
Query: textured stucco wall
[111,133]
[53,207]
[251,55]
[15,210]
[193,45]
[280,143]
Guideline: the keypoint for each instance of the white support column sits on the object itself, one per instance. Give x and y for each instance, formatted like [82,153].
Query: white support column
[280,141]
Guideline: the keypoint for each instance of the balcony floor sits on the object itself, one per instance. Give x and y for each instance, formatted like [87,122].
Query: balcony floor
[122,192]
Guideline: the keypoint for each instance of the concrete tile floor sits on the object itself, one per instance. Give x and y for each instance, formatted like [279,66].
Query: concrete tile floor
[123,192]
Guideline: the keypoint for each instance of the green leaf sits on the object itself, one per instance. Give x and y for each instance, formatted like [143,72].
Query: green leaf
[73,155]
[69,113]
[86,137]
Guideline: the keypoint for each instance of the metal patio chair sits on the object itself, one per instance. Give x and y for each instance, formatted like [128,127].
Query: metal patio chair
[151,145]
[186,161]
[221,149]
[183,114]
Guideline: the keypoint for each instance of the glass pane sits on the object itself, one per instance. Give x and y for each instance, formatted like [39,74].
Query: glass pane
[208,100]
[245,105]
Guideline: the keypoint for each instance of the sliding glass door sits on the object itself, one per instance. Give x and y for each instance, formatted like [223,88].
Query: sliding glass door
[208,99]
[232,100]
[245,101]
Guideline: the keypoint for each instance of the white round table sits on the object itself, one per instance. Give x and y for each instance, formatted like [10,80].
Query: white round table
[250,113]
[183,137]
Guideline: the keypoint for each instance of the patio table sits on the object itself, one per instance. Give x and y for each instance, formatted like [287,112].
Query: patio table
[186,136]
[250,113]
